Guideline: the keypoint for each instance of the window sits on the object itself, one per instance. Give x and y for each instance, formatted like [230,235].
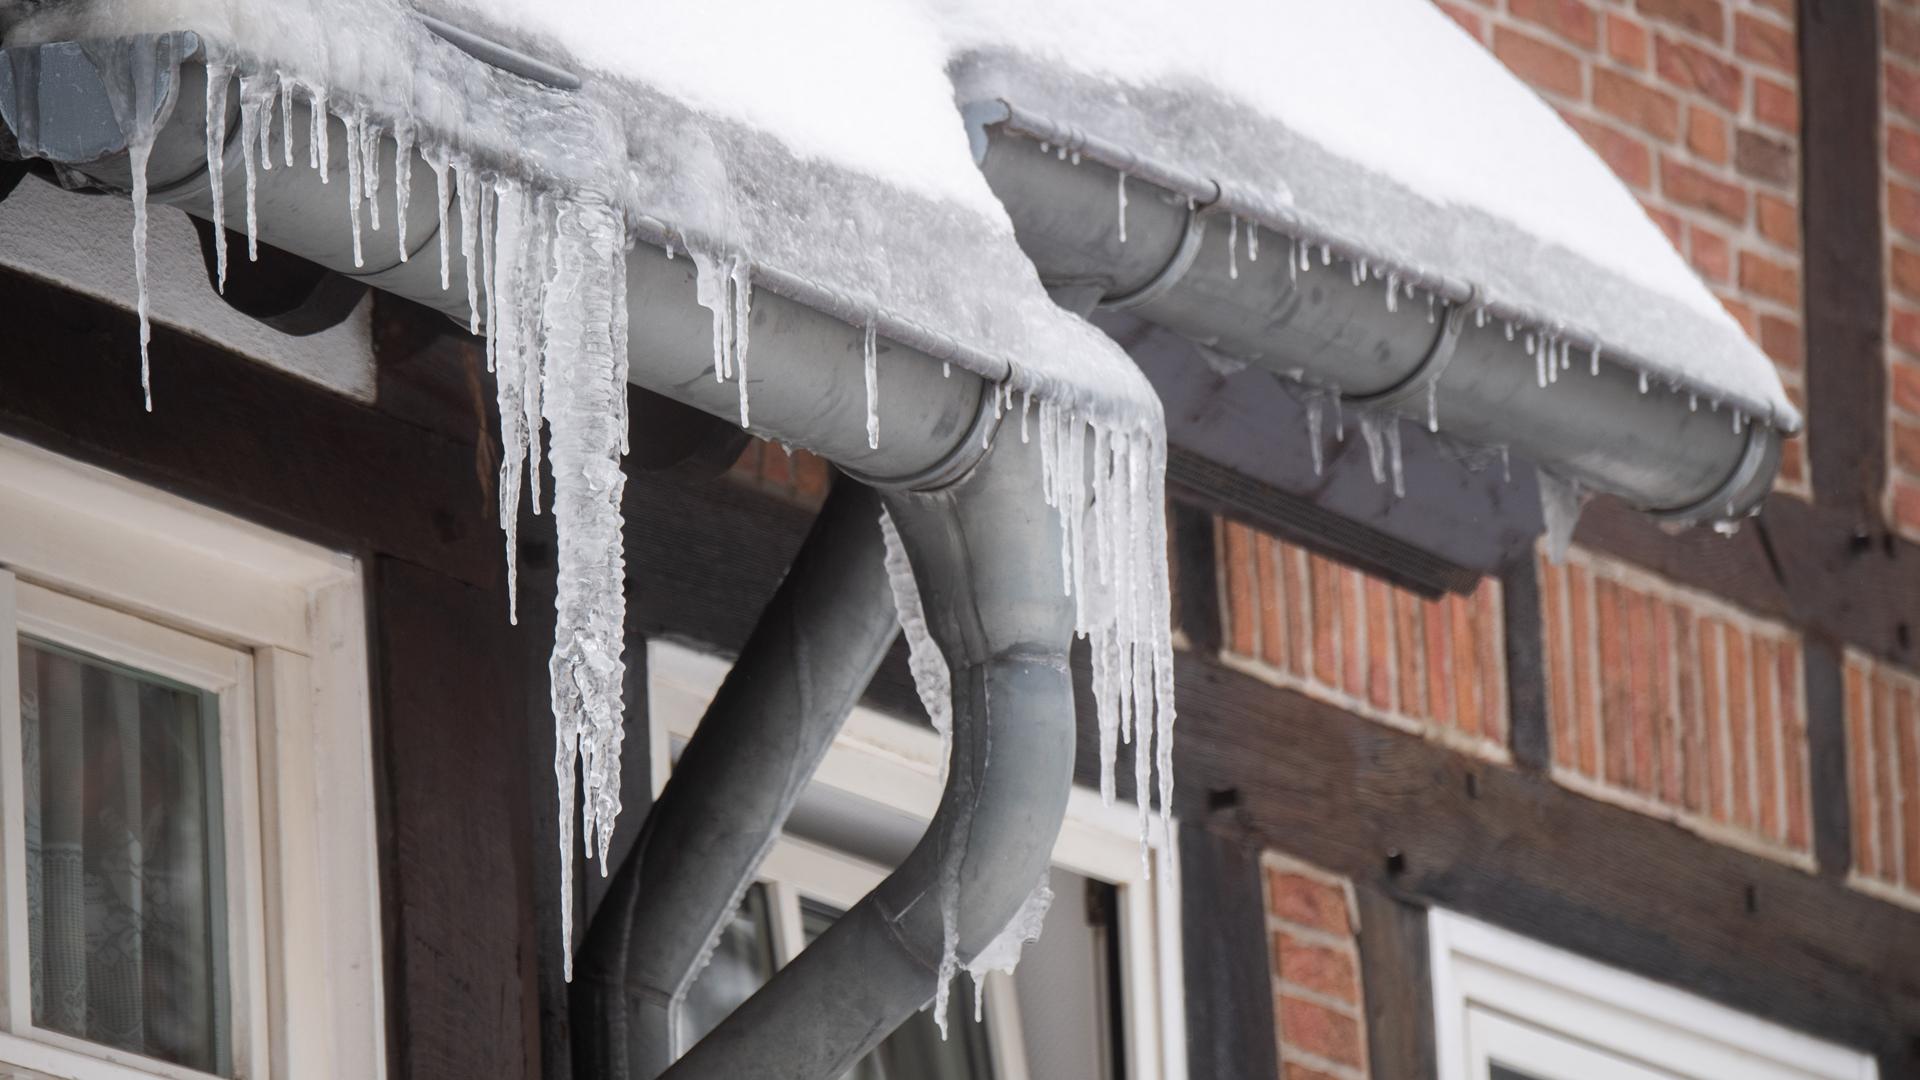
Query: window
[186,833]
[1102,983]
[1507,1008]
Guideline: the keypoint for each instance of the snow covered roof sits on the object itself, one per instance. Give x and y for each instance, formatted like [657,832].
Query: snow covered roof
[823,142]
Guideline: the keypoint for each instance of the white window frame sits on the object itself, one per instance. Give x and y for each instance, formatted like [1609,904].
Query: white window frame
[1552,1014]
[897,765]
[276,628]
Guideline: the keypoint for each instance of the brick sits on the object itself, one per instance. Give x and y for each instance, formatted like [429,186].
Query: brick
[1379,644]
[1241,603]
[1765,42]
[1693,735]
[810,476]
[1793,741]
[1326,621]
[1900,32]
[1692,68]
[1766,277]
[1739,693]
[1627,99]
[1492,639]
[1710,254]
[1293,1070]
[1907,725]
[1300,613]
[1468,19]
[1903,209]
[1688,186]
[1353,633]
[1906,335]
[1904,386]
[1558,658]
[1469,713]
[1906,506]
[1439,663]
[1703,17]
[1901,84]
[1707,134]
[1573,20]
[1783,341]
[1627,41]
[1778,220]
[1903,149]
[1628,155]
[1615,682]
[1886,762]
[1320,968]
[1543,65]
[1668,221]
[1762,158]
[1645,754]
[1666,722]
[1906,447]
[1776,106]
[1743,314]
[1859,773]
[1766,749]
[1320,1031]
[1793,463]
[1410,650]
[1586,714]
[1713,718]
[1782,8]
[1273,602]
[1307,901]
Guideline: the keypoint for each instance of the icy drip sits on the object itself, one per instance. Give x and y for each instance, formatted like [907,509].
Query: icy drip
[370,162]
[725,288]
[402,182]
[932,680]
[437,161]
[469,186]
[1233,247]
[355,120]
[1122,188]
[870,354]
[218,75]
[586,382]
[1113,536]
[139,148]
[1560,502]
[256,148]
[1002,954]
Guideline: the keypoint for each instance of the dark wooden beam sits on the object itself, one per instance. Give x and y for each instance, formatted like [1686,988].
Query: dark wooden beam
[1529,736]
[1845,288]
[1228,983]
[452,730]
[1394,811]
[1196,575]
[1395,974]
[1832,801]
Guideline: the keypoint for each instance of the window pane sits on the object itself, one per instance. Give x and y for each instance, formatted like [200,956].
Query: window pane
[915,1050]
[1501,1072]
[126,873]
[742,963]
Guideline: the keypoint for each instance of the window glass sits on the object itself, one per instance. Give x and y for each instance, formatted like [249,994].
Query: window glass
[742,963]
[126,905]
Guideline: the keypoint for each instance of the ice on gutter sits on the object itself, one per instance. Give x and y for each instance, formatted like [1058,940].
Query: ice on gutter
[1380,129]
[894,231]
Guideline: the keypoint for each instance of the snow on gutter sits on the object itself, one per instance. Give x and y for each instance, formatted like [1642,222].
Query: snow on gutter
[1378,128]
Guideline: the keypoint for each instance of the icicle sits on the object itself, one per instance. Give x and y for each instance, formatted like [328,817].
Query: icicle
[218,77]
[1394,459]
[1433,407]
[1122,187]
[740,278]
[355,176]
[468,185]
[509,362]
[438,163]
[931,678]
[1233,246]
[286,119]
[1373,433]
[1306,256]
[871,353]
[1026,406]
[370,161]
[139,149]
[1737,421]
[1326,255]
[586,371]
[256,114]
[402,182]
[1560,503]
[1253,242]
[710,290]
[318,152]
[1693,402]
[1339,417]
[1643,382]
[490,287]
[1506,465]
[1509,329]
[1479,318]
[1393,293]
[1313,431]
[1594,361]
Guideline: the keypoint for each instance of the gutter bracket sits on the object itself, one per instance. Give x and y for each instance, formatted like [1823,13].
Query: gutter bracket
[959,461]
[1406,394]
[1744,490]
[1170,274]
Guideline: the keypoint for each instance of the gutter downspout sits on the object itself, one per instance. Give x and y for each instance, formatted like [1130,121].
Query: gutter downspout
[983,549]
[1330,328]
[969,508]
[802,671]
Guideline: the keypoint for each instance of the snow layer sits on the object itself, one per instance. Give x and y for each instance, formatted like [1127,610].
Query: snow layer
[1378,125]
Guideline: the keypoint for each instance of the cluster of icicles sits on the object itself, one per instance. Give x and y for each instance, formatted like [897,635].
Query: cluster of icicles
[546,277]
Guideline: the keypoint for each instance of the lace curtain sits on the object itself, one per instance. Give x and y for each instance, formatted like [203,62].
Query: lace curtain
[125,874]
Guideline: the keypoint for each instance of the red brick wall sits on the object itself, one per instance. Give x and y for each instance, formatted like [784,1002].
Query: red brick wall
[1437,667]
[794,475]
[1319,1015]
[1695,104]
[1883,746]
[1676,704]
[1900,37]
